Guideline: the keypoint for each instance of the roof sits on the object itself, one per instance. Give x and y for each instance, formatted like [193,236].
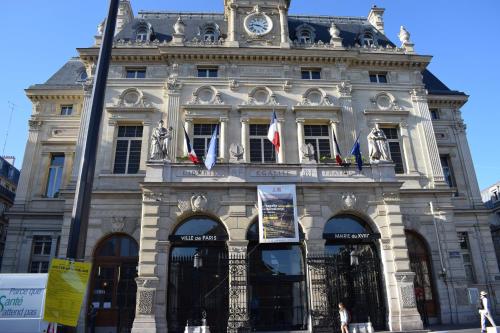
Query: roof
[162,24]
[435,87]
[69,76]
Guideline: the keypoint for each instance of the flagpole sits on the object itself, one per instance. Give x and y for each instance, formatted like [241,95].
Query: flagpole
[81,204]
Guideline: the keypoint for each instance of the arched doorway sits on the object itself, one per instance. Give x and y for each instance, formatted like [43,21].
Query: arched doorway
[198,275]
[113,286]
[354,273]
[277,288]
[420,264]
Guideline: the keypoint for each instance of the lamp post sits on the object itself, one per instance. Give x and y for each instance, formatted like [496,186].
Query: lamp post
[197,264]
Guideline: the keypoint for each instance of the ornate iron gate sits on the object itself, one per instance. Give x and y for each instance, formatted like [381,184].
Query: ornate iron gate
[217,290]
[334,279]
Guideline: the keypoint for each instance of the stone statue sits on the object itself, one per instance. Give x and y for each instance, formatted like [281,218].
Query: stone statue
[334,31]
[179,26]
[100,28]
[378,147]
[308,153]
[404,35]
[160,142]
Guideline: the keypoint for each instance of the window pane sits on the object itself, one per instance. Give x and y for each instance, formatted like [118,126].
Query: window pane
[212,72]
[324,148]
[396,156]
[315,75]
[120,156]
[373,78]
[134,158]
[269,151]
[130,74]
[259,129]
[202,72]
[382,78]
[306,75]
[256,150]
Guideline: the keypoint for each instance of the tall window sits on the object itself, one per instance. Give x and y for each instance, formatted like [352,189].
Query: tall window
[463,240]
[378,77]
[128,149]
[434,113]
[394,146]
[311,74]
[447,170]
[261,149]
[40,254]
[201,138]
[141,35]
[136,73]
[207,72]
[319,137]
[66,110]
[54,180]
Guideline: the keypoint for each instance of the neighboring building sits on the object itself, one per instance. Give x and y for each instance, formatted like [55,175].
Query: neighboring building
[402,244]
[9,176]
[491,199]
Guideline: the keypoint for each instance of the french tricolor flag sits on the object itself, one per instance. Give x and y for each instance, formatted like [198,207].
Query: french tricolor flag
[273,135]
[336,150]
[191,153]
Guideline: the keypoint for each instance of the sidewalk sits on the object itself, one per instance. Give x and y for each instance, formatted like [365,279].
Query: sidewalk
[471,328]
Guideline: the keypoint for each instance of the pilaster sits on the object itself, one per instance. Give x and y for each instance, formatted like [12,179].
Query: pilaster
[188,125]
[284,27]
[173,100]
[245,139]
[407,148]
[300,137]
[223,139]
[348,117]
[281,152]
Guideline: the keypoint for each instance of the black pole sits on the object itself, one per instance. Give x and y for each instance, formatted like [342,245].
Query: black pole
[81,204]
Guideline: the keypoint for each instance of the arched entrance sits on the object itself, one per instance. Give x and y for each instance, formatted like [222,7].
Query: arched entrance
[420,264]
[198,275]
[354,274]
[113,287]
[277,288]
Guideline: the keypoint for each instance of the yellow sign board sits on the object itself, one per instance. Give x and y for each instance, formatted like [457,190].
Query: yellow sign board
[66,288]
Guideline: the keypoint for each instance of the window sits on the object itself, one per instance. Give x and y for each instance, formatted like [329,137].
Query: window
[66,110]
[378,77]
[209,34]
[434,113]
[136,73]
[463,240]
[40,254]
[319,137]
[368,39]
[311,74]
[55,175]
[128,150]
[447,170]
[305,37]
[261,149]
[201,138]
[207,72]
[141,35]
[393,139]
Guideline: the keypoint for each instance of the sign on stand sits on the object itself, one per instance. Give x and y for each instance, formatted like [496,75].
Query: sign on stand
[22,299]
[66,288]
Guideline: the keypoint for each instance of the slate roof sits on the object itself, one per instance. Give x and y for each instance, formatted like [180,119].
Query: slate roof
[69,76]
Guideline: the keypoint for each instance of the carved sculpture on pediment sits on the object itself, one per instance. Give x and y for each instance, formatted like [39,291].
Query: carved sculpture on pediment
[118,223]
[287,86]
[160,142]
[132,97]
[237,153]
[173,84]
[344,88]
[261,96]
[233,85]
[206,95]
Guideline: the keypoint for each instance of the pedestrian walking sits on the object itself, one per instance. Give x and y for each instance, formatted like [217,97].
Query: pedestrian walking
[344,318]
[484,311]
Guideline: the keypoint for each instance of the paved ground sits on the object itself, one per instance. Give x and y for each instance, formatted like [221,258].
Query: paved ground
[455,329]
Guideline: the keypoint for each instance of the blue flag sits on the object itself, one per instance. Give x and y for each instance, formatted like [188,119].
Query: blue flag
[356,152]
[211,157]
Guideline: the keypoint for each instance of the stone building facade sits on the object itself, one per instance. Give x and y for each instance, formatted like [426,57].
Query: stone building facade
[428,247]
[491,199]
[9,176]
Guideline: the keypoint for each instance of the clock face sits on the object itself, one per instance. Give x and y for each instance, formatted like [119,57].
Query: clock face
[258,24]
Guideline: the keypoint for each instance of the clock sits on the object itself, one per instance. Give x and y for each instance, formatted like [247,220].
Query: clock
[258,24]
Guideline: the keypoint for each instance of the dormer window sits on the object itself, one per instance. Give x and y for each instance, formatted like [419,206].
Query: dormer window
[143,31]
[305,34]
[210,33]
[368,39]
[305,37]
[141,35]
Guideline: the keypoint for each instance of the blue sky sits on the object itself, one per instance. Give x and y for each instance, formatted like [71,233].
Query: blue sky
[39,36]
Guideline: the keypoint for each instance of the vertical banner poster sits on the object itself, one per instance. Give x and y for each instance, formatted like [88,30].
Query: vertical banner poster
[278,221]
[66,288]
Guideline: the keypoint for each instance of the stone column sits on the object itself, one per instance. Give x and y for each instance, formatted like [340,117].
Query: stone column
[407,148]
[146,139]
[82,134]
[28,161]
[300,137]
[348,116]
[281,152]
[284,27]
[173,103]
[223,139]
[188,125]
[238,298]
[427,136]
[245,138]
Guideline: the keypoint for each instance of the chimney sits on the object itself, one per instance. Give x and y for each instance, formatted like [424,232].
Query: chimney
[125,15]
[375,17]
